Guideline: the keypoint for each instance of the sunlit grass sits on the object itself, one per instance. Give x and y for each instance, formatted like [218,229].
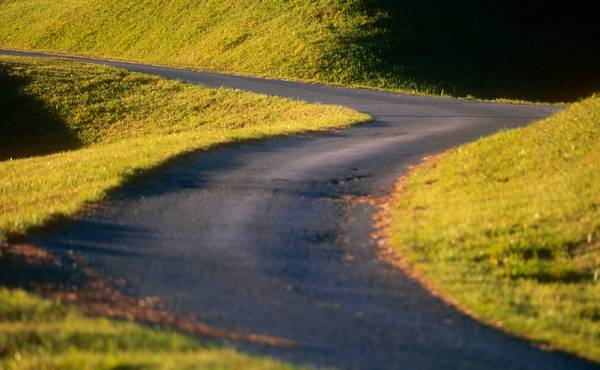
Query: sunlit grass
[37,334]
[509,227]
[275,38]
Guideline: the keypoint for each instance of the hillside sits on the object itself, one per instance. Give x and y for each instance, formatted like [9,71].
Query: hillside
[505,50]
[509,227]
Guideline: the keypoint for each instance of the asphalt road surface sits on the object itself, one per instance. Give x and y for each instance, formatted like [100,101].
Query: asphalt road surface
[261,238]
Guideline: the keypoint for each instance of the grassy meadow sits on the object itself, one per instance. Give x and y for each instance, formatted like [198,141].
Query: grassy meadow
[514,50]
[508,227]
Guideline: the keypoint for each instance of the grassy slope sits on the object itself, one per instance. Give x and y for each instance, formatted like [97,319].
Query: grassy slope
[459,48]
[509,227]
[68,134]
[37,334]
[109,124]
[276,38]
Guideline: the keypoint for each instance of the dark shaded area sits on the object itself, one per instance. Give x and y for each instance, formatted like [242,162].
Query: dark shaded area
[27,127]
[32,269]
[522,50]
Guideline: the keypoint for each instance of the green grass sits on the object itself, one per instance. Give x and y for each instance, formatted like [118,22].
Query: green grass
[73,132]
[38,334]
[509,227]
[513,50]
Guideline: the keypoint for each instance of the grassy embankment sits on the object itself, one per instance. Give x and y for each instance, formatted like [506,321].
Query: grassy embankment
[509,228]
[69,133]
[514,50]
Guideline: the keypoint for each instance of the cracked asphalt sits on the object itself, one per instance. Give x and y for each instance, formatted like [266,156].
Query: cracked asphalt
[261,237]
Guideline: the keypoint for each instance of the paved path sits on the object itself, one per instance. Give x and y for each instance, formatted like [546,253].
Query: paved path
[257,237]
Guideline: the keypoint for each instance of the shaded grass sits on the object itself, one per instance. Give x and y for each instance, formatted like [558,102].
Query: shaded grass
[514,50]
[509,227]
[44,133]
[38,334]
[122,123]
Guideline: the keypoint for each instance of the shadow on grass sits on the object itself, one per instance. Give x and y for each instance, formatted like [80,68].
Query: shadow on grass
[27,126]
[520,50]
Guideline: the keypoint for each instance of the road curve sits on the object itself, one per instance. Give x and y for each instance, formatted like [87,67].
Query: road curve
[259,237]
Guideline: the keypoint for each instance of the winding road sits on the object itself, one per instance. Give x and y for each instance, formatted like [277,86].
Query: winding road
[261,237]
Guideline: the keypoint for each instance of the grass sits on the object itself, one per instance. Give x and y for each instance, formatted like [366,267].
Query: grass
[73,131]
[38,334]
[513,50]
[509,228]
